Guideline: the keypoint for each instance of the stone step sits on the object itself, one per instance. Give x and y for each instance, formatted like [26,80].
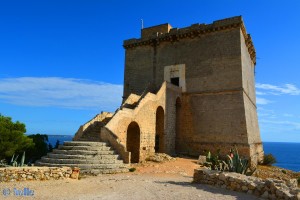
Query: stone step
[83,166]
[66,156]
[81,161]
[91,157]
[87,148]
[93,132]
[104,171]
[83,152]
[88,139]
[84,143]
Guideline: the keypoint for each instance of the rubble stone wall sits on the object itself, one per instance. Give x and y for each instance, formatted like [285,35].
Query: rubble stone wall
[10,174]
[267,189]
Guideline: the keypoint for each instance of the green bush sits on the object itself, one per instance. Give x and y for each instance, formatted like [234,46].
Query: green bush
[132,169]
[298,180]
[12,138]
[269,159]
[283,171]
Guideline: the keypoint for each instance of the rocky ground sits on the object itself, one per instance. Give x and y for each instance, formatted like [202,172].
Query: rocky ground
[161,178]
[275,172]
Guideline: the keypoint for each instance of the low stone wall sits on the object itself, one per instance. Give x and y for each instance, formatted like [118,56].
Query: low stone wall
[268,189]
[9,174]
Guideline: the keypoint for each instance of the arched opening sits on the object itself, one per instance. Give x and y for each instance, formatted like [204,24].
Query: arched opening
[178,119]
[133,141]
[159,130]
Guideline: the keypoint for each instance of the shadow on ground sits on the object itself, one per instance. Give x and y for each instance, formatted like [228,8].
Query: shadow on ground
[212,189]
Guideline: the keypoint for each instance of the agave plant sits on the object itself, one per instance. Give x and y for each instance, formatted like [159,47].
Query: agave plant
[14,162]
[213,162]
[3,163]
[237,164]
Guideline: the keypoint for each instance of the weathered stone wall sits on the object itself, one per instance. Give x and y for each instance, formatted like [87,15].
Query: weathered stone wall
[138,70]
[213,121]
[10,174]
[248,70]
[212,63]
[145,116]
[170,133]
[267,189]
[153,30]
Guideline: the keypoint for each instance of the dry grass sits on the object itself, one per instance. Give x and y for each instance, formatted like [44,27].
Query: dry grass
[264,172]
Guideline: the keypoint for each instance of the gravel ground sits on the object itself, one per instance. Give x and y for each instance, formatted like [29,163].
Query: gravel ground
[122,186]
[169,180]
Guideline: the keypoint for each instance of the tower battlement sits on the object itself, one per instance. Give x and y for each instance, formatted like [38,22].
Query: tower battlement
[165,33]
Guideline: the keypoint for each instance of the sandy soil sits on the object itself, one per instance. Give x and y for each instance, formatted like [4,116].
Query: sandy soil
[170,180]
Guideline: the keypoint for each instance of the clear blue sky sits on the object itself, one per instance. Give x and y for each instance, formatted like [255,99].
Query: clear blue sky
[61,62]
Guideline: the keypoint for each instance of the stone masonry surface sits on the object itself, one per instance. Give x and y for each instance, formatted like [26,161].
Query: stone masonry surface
[267,189]
[11,174]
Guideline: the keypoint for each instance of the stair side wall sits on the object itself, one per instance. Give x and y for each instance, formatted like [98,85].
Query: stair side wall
[145,116]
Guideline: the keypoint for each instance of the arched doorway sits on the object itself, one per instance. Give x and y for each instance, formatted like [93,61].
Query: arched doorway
[178,119]
[159,130]
[133,141]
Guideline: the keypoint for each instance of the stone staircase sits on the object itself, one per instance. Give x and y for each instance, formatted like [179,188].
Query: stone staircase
[92,133]
[91,157]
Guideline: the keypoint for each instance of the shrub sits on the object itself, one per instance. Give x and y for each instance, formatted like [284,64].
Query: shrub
[269,159]
[298,180]
[234,163]
[132,169]
[283,171]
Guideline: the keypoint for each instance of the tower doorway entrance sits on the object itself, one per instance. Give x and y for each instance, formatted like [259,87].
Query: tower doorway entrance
[133,141]
[159,130]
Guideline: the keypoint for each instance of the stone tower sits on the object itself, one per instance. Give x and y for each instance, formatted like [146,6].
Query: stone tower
[213,66]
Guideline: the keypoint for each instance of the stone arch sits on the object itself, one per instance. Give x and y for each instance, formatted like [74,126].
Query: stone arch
[133,141]
[177,124]
[159,130]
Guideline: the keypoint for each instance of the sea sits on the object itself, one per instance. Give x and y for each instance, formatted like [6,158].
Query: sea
[61,138]
[286,154]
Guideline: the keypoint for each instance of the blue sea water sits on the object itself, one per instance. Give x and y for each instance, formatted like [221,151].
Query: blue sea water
[286,154]
[61,138]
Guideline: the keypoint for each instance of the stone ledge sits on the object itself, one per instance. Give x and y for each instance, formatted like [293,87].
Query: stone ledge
[267,189]
[11,174]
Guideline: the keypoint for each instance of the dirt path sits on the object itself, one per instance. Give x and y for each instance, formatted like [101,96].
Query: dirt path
[171,180]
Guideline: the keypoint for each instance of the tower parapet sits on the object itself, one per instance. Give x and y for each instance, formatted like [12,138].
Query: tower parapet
[165,33]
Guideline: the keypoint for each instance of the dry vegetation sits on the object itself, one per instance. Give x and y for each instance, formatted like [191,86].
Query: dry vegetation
[276,173]
[186,166]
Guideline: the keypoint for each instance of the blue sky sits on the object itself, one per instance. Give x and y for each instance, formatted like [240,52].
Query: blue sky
[61,62]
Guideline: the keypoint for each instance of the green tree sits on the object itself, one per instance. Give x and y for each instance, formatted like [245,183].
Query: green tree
[12,138]
[40,148]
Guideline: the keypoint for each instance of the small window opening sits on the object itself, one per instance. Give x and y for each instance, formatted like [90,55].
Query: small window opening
[175,81]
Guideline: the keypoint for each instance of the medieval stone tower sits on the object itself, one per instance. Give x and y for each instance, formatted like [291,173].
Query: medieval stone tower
[212,67]
[185,91]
